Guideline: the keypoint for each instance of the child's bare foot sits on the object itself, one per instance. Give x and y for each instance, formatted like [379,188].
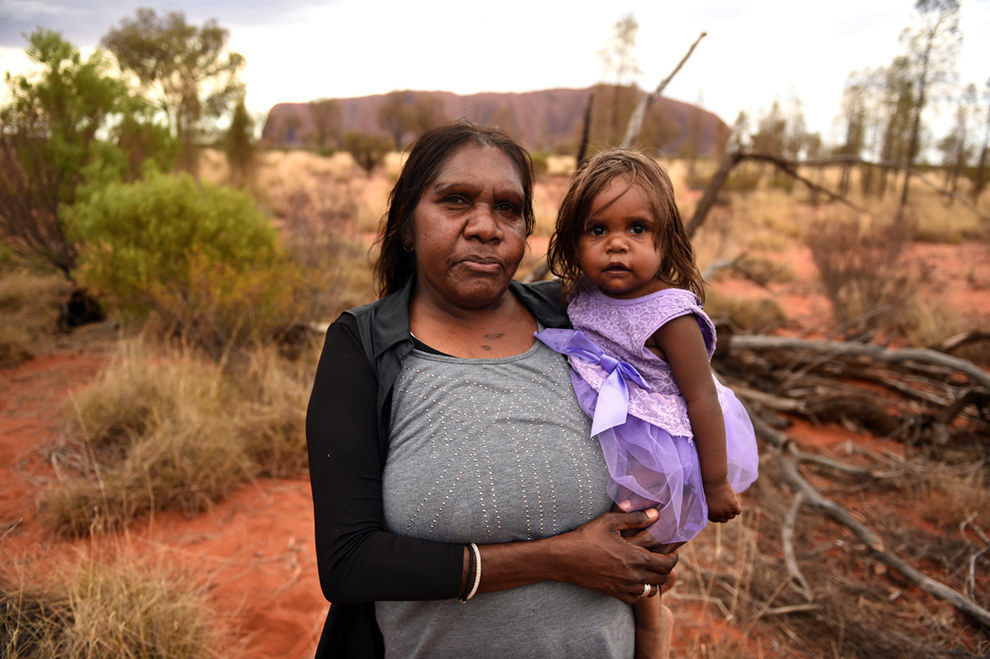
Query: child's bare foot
[654,642]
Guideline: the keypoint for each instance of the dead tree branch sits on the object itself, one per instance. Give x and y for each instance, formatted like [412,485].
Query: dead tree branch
[790,168]
[788,460]
[636,120]
[905,356]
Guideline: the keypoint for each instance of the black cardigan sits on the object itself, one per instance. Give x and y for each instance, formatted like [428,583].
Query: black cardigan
[347,432]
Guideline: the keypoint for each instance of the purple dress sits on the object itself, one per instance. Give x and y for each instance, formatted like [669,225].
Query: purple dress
[638,414]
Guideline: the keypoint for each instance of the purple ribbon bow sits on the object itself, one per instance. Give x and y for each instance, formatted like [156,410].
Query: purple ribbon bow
[613,397]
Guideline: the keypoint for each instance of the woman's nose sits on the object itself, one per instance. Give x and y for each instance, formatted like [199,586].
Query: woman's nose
[482,224]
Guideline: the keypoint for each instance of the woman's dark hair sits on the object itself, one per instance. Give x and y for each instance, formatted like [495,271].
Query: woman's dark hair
[428,155]
[677,263]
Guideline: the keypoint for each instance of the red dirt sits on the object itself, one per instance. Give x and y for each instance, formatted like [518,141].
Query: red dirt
[256,547]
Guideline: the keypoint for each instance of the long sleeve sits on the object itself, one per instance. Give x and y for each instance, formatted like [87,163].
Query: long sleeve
[358,559]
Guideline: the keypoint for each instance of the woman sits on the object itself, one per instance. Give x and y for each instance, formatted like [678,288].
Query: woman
[449,459]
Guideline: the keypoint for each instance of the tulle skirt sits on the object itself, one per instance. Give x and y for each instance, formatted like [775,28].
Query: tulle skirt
[649,467]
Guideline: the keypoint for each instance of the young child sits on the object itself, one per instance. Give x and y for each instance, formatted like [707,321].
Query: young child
[674,438]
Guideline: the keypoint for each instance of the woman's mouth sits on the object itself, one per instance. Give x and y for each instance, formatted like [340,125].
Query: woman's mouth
[482,263]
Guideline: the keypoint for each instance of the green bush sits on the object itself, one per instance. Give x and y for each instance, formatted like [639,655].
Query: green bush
[203,258]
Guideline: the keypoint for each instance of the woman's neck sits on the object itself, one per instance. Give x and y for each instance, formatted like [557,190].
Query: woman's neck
[500,330]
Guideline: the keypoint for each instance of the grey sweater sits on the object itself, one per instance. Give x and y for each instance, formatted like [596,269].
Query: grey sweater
[493,451]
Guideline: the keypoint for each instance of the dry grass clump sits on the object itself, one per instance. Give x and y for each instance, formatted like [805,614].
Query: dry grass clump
[952,496]
[272,395]
[744,314]
[29,307]
[107,609]
[175,433]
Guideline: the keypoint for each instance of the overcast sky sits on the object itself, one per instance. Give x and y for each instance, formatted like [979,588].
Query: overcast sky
[756,51]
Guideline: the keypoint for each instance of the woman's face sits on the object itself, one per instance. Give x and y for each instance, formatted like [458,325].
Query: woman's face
[469,233]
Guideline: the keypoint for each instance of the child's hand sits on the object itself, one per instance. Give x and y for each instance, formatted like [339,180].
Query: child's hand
[722,502]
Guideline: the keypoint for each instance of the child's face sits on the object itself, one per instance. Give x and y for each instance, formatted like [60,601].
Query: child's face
[616,248]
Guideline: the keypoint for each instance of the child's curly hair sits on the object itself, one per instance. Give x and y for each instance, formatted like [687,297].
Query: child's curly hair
[677,263]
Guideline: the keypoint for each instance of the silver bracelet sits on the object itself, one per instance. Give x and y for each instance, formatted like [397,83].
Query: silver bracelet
[477,571]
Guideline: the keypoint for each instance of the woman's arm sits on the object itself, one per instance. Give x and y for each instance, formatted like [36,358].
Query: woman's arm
[360,561]
[683,346]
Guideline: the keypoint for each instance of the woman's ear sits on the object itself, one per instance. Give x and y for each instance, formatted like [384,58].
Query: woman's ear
[408,236]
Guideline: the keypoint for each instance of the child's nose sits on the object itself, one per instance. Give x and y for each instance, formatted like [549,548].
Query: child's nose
[615,244]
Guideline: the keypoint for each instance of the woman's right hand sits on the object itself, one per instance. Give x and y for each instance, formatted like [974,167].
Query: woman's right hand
[597,556]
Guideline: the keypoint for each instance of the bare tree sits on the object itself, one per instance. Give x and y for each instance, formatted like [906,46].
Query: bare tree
[619,63]
[980,178]
[933,45]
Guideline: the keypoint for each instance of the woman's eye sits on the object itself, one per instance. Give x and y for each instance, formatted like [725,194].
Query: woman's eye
[454,199]
[507,207]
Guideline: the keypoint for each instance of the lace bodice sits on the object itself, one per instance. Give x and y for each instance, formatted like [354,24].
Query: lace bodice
[621,328]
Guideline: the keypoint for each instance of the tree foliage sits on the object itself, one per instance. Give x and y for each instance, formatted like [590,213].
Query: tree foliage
[50,146]
[406,113]
[239,144]
[184,70]
[368,151]
[327,122]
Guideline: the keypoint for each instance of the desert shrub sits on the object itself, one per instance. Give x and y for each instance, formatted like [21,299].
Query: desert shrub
[321,230]
[860,267]
[172,432]
[107,609]
[368,151]
[742,179]
[541,162]
[201,257]
[29,304]
[745,315]
[765,271]
[781,182]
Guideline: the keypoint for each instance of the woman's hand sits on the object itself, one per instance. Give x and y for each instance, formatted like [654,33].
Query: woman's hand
[722,502]
[597,556]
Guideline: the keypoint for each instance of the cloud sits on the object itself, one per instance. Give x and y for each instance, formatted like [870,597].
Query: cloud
[83,23]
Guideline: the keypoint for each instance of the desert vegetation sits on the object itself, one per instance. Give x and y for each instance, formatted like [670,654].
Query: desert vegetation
[178,423]
[851,294]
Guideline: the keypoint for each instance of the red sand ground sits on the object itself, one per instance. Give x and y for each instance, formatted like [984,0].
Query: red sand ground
[256,547]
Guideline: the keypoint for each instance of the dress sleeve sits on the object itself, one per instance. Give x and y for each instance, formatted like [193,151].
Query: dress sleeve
[358,559]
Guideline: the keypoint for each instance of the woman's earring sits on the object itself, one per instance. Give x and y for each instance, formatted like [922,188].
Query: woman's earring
[408,247]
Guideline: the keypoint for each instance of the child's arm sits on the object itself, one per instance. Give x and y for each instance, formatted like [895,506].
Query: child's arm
[683,347]
[654,627]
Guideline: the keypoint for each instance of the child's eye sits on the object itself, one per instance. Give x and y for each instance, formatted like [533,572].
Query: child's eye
[596,230]
[638,228]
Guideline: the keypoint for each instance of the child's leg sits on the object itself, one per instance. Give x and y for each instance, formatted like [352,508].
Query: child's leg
[654,628]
